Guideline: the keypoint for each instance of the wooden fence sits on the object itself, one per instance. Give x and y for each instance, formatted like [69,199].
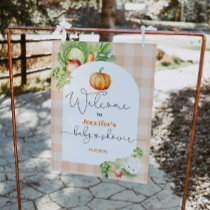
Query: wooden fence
[23,57]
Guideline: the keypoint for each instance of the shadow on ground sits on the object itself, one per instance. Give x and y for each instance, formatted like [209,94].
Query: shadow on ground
[42,188]
[171,134]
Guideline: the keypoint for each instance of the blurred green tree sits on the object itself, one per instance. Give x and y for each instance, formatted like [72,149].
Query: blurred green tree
[201,8]
[105,18]
[194,10]
[82,13]
[22,12]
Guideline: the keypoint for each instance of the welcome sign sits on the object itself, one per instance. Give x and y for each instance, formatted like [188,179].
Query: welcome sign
[101,108]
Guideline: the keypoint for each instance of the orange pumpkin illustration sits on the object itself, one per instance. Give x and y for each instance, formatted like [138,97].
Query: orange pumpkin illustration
[99,80]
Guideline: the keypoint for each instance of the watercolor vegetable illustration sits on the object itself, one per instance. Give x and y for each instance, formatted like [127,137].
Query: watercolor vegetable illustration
[129,167]
[73,54]
[118,172]
[72,64]
[99,80]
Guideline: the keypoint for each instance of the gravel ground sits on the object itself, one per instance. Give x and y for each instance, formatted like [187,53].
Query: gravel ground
[171,133]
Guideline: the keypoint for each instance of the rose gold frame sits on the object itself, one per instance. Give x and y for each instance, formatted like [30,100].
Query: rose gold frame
[202,53]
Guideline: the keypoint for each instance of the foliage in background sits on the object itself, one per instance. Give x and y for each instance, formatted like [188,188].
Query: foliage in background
[23,12]
[197,11]
[92,13]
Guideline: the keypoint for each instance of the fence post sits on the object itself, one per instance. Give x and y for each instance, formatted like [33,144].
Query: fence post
[23,59]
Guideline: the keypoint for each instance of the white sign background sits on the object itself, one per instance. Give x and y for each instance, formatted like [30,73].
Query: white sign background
[123,90]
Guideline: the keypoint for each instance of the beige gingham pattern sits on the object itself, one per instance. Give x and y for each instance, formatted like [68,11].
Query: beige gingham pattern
[139,61]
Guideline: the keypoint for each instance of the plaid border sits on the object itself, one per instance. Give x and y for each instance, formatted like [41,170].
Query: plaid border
[139,61]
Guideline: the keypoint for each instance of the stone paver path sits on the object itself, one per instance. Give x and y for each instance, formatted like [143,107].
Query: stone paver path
[44,189]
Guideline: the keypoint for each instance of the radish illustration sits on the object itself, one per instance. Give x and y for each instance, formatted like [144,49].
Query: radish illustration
[118,172]
[72,64]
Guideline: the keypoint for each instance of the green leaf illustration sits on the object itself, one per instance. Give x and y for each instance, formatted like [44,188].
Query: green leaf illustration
[105,48]
[105,58]
[138,153]
[104,168]
[61,60]
[127,174]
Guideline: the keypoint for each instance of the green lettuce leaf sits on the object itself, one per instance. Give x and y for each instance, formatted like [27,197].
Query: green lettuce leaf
[64,47]
[85,47]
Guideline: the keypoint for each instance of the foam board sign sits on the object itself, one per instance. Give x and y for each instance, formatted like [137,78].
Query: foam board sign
[102,97]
